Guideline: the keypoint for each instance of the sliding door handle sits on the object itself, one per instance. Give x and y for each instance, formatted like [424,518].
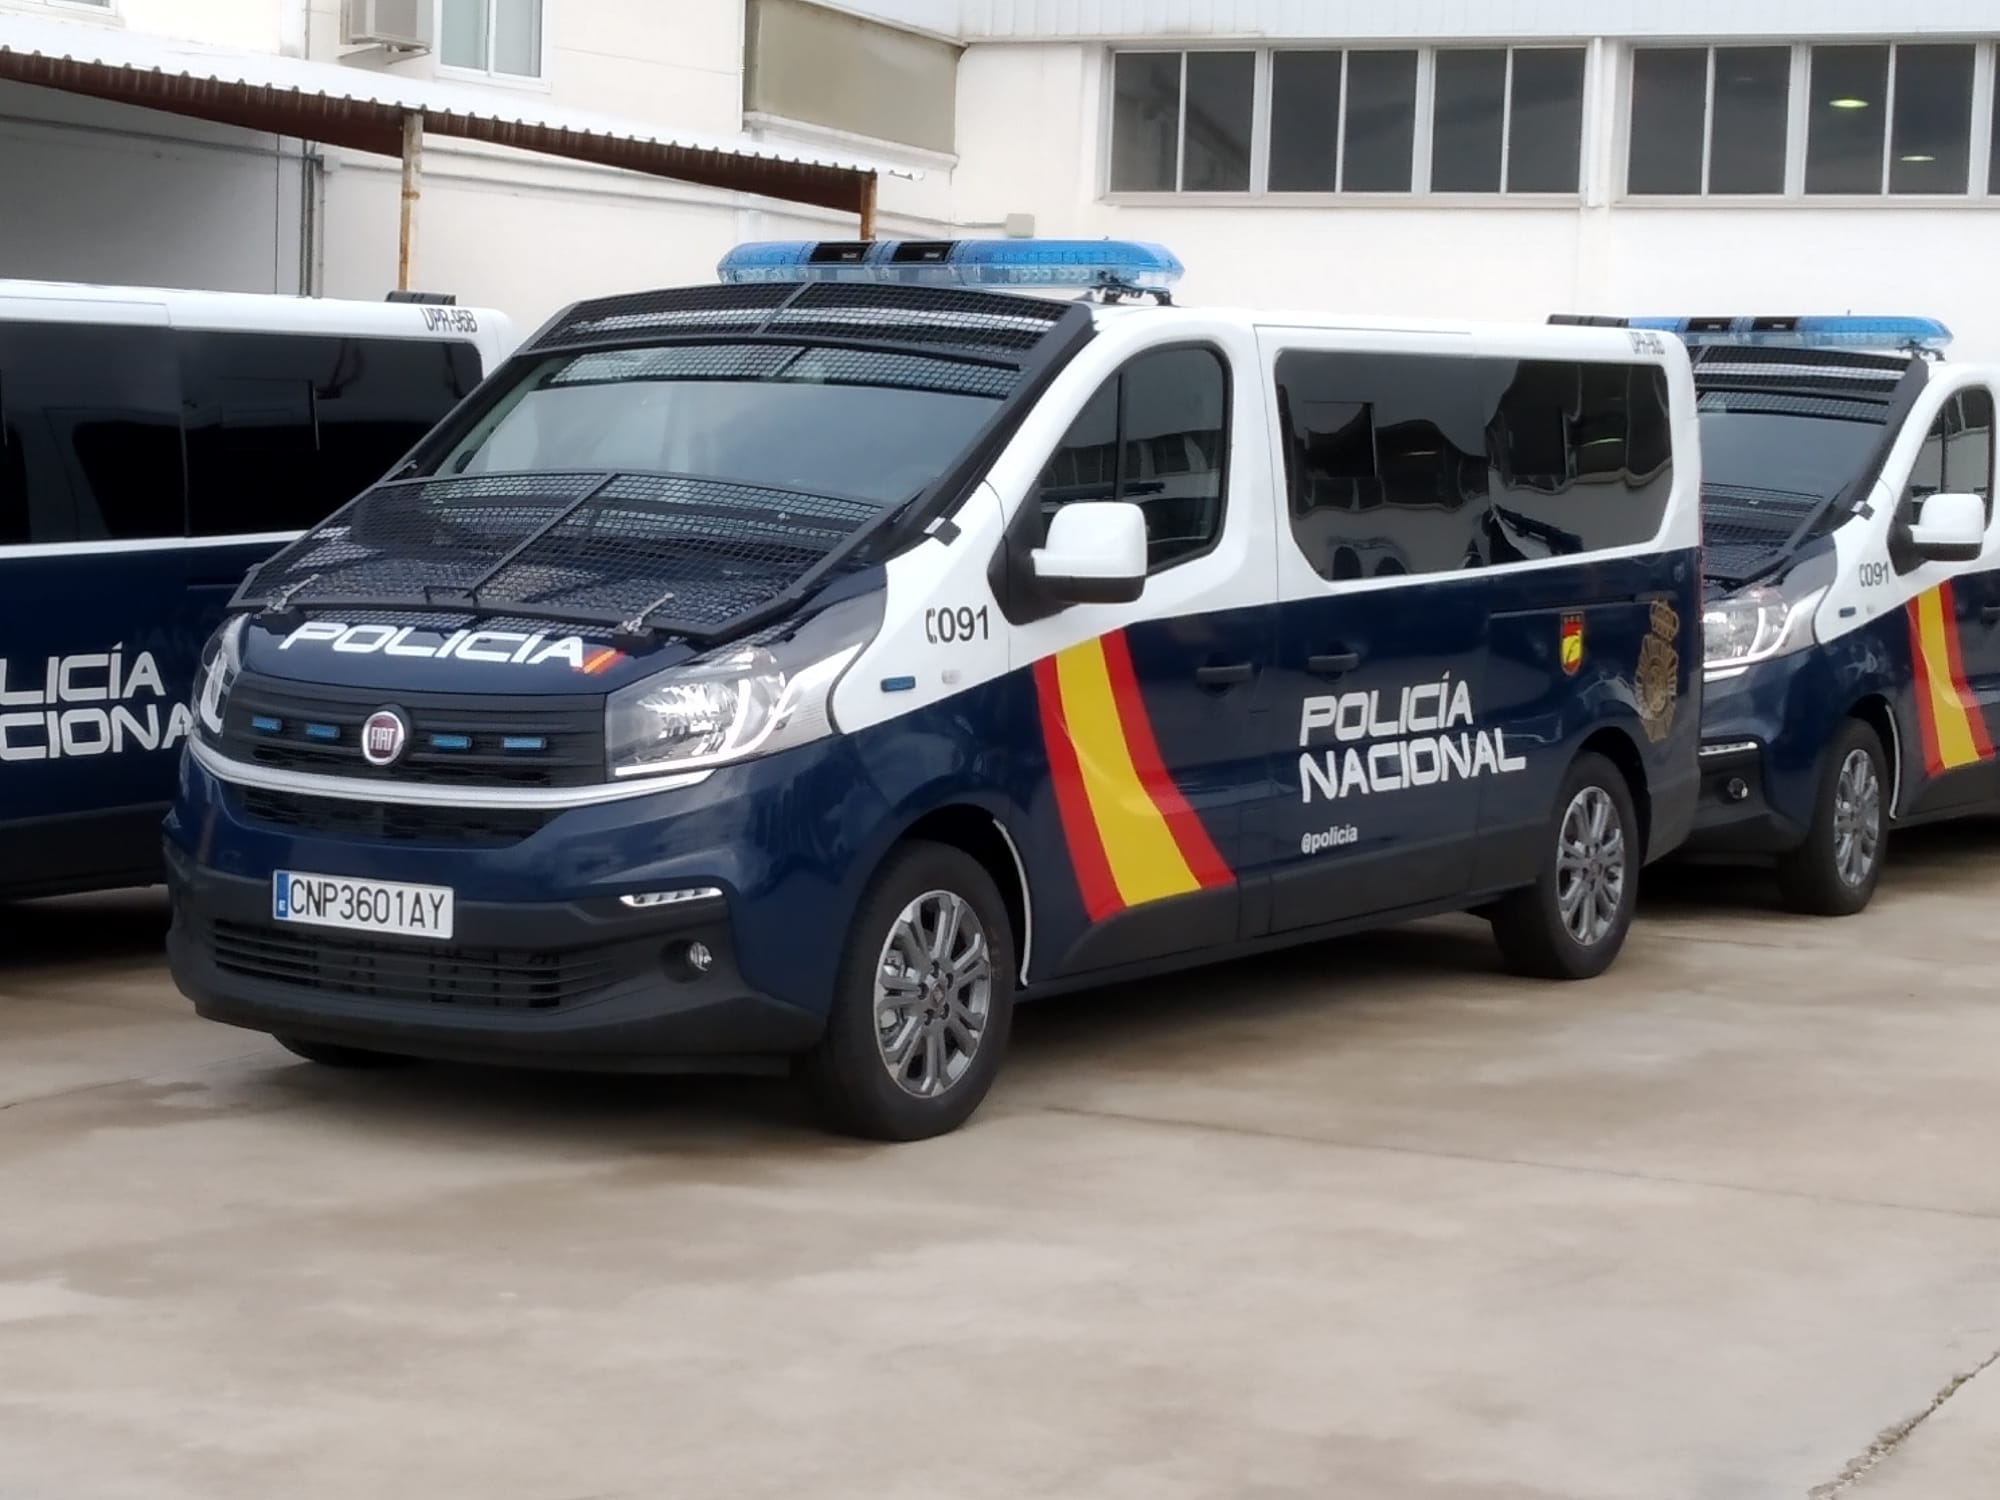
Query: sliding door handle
[1333,663]
[1231,674]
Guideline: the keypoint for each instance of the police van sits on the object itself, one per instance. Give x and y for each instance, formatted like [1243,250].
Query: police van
[154,445]
[1852,624]
[808,666]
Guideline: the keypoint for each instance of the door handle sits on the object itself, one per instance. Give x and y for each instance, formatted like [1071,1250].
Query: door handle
[1228,675]
[1989,614]
[1333,663]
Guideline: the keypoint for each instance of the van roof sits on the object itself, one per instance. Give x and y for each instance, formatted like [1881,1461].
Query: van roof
[73,301]
[1562,339]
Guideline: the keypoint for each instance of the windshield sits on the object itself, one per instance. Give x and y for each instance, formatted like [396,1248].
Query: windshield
[1795,454]
[877,427]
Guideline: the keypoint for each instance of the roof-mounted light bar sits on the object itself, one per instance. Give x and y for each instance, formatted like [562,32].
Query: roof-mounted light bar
[1841,331]
[1116,266]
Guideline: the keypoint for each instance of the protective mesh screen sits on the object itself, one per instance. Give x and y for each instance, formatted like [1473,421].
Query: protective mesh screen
[697,551]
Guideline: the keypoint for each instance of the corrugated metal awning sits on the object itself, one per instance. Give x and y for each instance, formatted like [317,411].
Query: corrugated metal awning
[365,110]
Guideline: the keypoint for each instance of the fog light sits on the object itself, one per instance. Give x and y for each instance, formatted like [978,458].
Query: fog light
[1736,789]
[687,961]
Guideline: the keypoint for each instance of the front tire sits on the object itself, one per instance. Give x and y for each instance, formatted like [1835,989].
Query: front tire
[1835,871]
[1571,923]
[923,1001]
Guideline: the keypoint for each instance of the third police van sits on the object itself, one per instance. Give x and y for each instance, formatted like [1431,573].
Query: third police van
[1853,615]
[802,669]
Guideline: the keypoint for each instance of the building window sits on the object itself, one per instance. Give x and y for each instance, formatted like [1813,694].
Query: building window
[1709,119]
[1872,119]
[502,37]
[1930,139]
[1502,120]
[1507,120]
[1181,121]
[1381,124]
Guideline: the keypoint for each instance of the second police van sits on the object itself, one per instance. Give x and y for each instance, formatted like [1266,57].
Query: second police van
[1852,673]
[804,668]
[154,446]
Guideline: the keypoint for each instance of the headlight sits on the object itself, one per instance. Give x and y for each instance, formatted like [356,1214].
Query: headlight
[221,661]
[1756,625]
[711,712]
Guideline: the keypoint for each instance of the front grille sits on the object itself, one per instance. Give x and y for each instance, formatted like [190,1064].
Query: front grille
[338,817]
[371,969]
[455,740]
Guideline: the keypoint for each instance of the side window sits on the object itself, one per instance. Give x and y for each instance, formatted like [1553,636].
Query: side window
[1968,455]
[1402,463]
[283,429]
[90,440]
[1957,454]
[1154,434]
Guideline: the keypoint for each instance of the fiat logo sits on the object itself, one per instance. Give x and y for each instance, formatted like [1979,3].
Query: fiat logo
[384,736]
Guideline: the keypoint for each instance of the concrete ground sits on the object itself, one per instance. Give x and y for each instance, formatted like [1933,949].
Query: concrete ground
[1364,1220]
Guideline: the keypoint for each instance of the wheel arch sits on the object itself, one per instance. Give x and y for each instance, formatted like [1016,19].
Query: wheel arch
[1617,747]
[1875,711]
[981,834]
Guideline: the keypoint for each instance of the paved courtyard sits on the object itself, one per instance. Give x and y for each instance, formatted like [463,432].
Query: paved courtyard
[1369,1219]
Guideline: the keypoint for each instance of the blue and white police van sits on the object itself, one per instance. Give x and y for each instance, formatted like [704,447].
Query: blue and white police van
[154,445]
[807,667]
[1852,620]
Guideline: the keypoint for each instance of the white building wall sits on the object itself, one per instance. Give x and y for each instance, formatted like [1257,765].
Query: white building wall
[97,192]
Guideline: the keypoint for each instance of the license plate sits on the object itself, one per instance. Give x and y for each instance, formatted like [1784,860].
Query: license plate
[361,905]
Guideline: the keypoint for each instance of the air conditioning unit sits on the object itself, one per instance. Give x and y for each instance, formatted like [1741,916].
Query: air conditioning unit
[403,24]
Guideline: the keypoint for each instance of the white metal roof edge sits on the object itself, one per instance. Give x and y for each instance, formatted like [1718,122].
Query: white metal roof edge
[111,47]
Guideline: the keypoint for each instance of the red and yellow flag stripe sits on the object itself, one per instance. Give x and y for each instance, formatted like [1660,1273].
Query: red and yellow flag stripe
[1132,837]
[1948,715]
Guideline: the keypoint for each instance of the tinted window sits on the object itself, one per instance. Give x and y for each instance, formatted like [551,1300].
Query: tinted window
[1415,464]
[282,429]
[90,442]
[1957,455]
[1780,445]
[820,421]
[1305,121]
[1669,109]
[1381,122]
[1154,434]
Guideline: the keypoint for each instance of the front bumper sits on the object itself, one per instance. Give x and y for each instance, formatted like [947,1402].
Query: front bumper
[588,985]
[1734,814]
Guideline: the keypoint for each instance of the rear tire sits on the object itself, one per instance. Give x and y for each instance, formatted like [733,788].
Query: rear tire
[331,1055]
[1835,871]
[1571,923]
[923,1001]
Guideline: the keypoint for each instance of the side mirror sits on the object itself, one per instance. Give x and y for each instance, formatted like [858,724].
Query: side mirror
[1949,528]
[1095,554]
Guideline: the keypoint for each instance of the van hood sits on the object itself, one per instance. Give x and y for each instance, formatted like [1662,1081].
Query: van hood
[412,654]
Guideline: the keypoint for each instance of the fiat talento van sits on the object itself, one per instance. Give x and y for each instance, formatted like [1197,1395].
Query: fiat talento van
[800,670]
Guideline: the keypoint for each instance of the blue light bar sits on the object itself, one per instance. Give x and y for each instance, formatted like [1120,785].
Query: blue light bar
[1114,265]
[1822,332]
